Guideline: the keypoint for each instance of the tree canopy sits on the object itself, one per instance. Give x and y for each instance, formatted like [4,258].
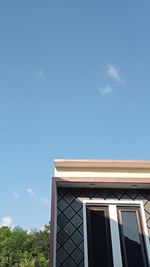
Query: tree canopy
[19,248]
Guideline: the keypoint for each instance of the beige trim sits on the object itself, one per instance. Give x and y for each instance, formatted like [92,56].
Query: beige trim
[92,172]
[102,168]
[133,164]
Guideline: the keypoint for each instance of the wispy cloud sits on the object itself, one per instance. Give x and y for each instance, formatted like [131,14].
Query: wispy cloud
[31,193]
[16,195]
[6,221]
[113,73]
[105,90]
[44,201]
[112,77]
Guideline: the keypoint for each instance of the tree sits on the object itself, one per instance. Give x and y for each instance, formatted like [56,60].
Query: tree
[27,261]
[42,261]
[19,244]
[5,232]
[40,241]
[18,248]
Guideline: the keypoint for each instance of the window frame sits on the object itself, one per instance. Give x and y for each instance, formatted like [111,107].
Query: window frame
[114,227]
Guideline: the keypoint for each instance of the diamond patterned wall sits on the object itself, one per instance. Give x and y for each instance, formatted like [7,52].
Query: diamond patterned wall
[70,248]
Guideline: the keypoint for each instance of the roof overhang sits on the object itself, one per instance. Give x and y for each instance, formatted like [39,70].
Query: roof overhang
[130,164]
[102,173]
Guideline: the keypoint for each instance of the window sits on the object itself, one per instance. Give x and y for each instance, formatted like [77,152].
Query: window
[99,249]
[115,234]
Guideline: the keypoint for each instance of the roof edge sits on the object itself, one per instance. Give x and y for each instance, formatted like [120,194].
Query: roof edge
[87,163]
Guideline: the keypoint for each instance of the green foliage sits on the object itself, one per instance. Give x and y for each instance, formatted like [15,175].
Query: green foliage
[27,261]
[4,233]
[18,248]
[40,241]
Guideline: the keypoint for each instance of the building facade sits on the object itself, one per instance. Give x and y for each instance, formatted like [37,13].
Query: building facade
[100,213]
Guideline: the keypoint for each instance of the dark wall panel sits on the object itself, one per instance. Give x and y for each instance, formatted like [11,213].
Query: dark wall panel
[70,247]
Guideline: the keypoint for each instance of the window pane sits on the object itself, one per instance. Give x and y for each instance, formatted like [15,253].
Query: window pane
[132,245]
[99,242]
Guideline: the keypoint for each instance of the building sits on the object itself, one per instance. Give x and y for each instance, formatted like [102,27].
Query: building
[100,213]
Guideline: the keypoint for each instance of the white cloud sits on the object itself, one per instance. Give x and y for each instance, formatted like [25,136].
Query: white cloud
[105,90]
[45,201]
[6,221]
[113,73]
[31,193]
[16,195]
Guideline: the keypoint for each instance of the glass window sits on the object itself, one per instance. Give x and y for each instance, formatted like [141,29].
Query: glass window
[99,240]
[132,240]
[114,236]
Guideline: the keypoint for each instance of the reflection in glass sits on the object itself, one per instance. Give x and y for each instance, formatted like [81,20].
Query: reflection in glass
[132,239]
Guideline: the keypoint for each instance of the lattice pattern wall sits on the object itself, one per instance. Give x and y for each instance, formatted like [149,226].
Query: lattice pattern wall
[70,248]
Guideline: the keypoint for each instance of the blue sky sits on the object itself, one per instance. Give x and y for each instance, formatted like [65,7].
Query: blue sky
[74,83]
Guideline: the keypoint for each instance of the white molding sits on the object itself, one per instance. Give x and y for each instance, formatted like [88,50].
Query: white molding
[85,236]
[116,250]
[145,230]
[112,201]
